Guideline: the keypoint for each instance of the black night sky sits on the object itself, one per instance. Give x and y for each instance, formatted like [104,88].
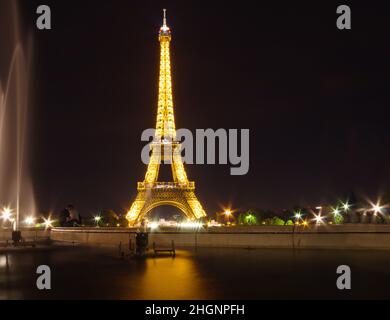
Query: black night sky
[315,98]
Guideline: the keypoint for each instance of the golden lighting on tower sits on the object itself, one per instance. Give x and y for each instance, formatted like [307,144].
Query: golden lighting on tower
[180,192]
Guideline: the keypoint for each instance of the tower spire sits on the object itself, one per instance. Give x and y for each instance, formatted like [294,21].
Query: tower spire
[165,118]
[165,17]
[165,30]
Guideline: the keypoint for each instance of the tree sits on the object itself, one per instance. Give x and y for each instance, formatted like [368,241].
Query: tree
[241,218]
[274,221]
[250,217]
[338,218]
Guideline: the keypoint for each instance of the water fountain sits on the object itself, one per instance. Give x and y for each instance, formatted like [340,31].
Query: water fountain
[16,194]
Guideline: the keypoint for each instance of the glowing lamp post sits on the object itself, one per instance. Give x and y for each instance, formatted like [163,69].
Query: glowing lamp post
[97,220]
[48,223]
[336,212]
[298,217]
[6,214]
[228,214]
[346,206]
[377,209]
[318,219]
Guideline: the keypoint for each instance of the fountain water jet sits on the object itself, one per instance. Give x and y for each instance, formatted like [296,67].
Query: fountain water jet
[15,183]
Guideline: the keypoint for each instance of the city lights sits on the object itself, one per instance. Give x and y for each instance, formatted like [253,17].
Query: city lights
[336,211]
[48,223]
[153,225]
[29,221]
[298,216]
[377,208]
[97,219]
[346,206]
[318,219]
[213,223]
[228,213]
[171,224]
[6,214]
[190,225]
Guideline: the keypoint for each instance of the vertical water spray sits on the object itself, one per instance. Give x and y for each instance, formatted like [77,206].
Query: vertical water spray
[15,113]
[2,113]
[15,183]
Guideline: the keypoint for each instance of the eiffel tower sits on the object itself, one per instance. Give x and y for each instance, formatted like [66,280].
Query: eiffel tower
[180,192]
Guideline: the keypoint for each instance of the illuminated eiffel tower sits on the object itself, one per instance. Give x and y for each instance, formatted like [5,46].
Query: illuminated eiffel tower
[180,192]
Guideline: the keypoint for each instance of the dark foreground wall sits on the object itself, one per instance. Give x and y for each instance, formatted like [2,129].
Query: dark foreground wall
[330,237]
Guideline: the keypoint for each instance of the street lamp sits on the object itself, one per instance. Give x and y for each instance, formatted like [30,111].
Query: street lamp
[346,206]
[48,223]
[318,219]
[228,214]
[377,208]
[298,217]
[97,220]
[6,214]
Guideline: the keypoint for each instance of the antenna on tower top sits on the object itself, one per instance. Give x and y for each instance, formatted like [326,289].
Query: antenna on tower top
[165,17]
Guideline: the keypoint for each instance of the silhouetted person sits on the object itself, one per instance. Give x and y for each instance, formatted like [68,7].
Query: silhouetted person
[64,217]
[74,217]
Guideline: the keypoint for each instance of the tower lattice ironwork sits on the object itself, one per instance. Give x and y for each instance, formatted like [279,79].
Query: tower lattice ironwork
[165,148]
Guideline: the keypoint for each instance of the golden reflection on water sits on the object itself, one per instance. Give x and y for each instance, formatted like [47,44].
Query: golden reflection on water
[4,263]
[166,278]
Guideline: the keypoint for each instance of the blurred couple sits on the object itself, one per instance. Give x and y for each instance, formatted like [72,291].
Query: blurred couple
[70,217]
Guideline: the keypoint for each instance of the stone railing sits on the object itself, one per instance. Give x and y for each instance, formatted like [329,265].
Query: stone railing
[321,237]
